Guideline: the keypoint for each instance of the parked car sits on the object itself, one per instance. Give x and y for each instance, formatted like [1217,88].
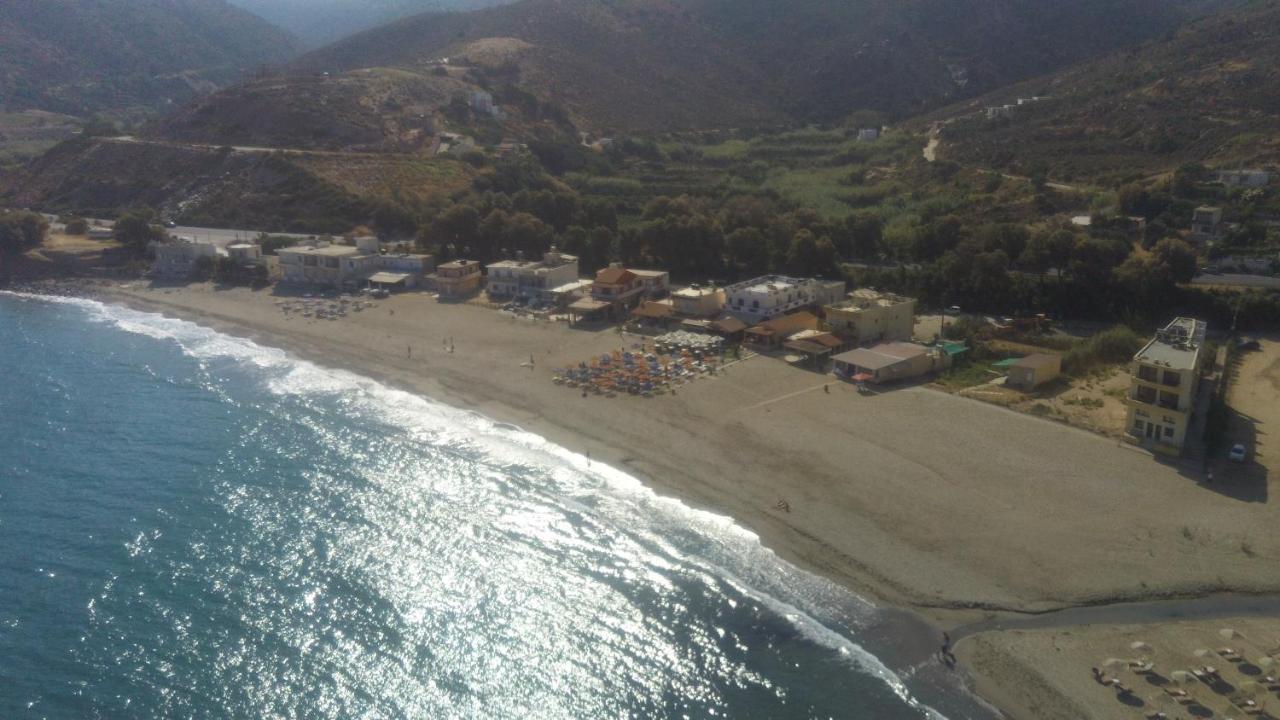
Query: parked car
[1246,344]
[1237,453]
[953,311]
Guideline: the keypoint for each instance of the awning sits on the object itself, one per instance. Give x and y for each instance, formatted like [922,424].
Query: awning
[807,347]
[863,377]
[1006,363]
[388,278]
[586,306]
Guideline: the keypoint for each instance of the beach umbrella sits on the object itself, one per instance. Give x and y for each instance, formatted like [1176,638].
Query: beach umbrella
[1115,664]
[1182,677]
[1202,652]
[1265,662]
[1227,633]
[1141,647]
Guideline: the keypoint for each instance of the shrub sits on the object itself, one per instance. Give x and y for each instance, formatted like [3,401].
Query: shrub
[1116,345]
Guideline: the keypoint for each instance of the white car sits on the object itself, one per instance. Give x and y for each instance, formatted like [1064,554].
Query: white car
[1237,453]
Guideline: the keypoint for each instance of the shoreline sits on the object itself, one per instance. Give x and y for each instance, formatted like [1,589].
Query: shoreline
[690,472]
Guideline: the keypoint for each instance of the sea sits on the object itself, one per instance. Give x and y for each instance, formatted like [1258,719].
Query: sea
[193,525]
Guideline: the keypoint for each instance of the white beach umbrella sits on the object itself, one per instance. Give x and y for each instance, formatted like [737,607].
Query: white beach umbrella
[1115,664]
[1182,677]
[1264,662]
[1228,634]
[1141,647]
[1202,652]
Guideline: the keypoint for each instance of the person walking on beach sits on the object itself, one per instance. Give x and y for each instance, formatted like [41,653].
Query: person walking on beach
[409,351]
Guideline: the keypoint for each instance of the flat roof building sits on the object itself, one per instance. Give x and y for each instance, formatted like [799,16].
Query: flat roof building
[868,316]
[1164,387]
[767,297]
[531,279]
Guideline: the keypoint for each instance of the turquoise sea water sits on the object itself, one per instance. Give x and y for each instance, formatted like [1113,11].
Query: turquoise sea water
[192,525]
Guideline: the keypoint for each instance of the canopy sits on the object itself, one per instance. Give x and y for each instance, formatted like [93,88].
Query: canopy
[388,278]
[1007,362]
[863,377]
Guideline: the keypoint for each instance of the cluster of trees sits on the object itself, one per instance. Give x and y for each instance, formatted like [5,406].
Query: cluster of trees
[21,231]
[137,228]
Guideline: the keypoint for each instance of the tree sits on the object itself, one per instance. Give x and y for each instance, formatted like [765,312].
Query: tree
[1178,257]
[861,235]
[20,231]
[748,251]
[76,226]
[135,229]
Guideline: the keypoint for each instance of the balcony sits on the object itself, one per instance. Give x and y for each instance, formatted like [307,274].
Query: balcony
[1149,396]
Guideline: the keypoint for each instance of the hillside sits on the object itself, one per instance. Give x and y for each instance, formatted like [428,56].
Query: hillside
[1206,94]
[653,65]
[317,22]
[220,187]
[124,57]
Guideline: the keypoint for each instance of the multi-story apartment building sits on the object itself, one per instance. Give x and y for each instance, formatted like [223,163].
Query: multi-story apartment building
[1164,384]
[458,279]
[765,298]
[531,279]
[868,317]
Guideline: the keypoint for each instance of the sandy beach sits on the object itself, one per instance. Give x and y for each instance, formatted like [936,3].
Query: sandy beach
[1047,674]
[915,498]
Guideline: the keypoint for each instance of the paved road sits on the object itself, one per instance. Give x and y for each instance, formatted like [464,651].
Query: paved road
[219,236]
[1236,280]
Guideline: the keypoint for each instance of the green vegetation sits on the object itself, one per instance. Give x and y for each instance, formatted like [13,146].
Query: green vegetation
[137,228]
[76,226]
[128,58]
[20,231]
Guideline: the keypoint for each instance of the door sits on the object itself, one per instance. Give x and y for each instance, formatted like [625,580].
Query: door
[1151,431]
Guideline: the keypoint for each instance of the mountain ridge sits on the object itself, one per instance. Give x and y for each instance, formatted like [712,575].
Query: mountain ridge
[83,57]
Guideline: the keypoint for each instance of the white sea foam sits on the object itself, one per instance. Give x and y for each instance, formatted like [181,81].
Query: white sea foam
[733,554]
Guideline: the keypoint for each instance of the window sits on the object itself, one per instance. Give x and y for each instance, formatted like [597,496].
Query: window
[1138,424]
[1145,394]
[1172,379]
[1168,431]
[1148,373]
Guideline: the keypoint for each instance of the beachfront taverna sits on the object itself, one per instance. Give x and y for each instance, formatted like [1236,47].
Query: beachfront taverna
[889,361]
[1165,387]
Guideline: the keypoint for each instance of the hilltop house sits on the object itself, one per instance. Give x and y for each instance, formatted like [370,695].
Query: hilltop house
[1244,178]
[531,279]
[1206,225]
[1165,386]
[866,317]
[765,298]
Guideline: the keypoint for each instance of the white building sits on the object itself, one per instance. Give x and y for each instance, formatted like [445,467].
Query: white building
[1244,178]
[531,279]
[868,134]
[765,298]
[245,253]
[656,283]
[352,266]
[176,259]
